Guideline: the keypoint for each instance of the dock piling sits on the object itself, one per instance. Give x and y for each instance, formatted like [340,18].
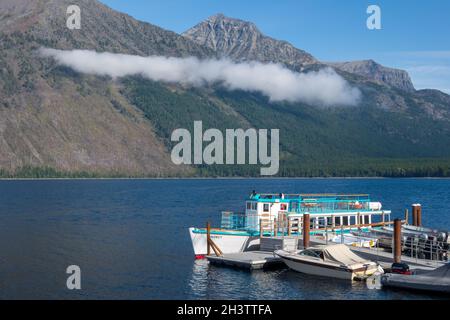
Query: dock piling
[414,215]
[306,230]
[397,241]
[417,215]
[406,217]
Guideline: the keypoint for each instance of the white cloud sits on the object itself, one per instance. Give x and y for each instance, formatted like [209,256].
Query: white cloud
[324,87]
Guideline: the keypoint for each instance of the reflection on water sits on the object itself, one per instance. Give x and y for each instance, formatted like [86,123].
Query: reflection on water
[198,284]
[130,237]
[212,282]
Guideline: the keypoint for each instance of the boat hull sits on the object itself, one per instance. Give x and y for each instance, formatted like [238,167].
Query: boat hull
[331,269]
[227,241]
[416,283]
[317,270]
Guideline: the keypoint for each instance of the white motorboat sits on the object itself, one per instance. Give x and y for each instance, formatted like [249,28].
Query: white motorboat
[336,261]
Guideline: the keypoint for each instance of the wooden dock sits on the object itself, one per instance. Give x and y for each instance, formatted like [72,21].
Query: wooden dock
[250,260]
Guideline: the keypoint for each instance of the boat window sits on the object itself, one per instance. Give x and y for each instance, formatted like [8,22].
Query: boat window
[337,221]
[329,221]
[249,205]
[254,206]
[345,221]
[321,222]
[352,220]
[266,207]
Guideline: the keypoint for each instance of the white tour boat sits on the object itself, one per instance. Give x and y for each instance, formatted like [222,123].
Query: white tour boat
[278,214]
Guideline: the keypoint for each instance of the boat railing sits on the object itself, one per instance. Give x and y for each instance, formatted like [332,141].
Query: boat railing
[330,206]
[252,222]
[413,246]
[287,223]
[233,220]
[429,249]
[324,196]
[328,220]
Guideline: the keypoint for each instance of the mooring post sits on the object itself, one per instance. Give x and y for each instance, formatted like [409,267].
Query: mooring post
[419,215]
[208,238]
[406,216]
[417,212]
[306,230]
[397,241]
[414,215]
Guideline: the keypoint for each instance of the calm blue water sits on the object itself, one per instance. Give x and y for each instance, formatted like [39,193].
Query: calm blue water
[130,237]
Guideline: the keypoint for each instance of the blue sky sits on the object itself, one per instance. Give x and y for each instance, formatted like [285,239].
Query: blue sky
[415,34]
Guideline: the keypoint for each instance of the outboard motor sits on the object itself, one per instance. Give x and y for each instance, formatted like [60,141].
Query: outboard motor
[400,268]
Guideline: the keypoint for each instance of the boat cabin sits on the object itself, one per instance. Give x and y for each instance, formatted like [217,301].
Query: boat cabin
[333,211]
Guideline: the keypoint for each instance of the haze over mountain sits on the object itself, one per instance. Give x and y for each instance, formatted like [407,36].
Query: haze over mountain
[55,120]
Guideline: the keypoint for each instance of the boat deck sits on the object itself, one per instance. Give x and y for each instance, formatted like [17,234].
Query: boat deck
[250,260]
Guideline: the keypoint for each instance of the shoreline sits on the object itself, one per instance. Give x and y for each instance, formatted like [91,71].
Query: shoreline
[230,178]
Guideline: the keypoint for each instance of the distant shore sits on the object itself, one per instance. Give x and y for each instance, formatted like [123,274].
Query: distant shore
[228,178]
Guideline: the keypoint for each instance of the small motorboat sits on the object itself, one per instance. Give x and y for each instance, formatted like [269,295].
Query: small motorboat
[335,261]
[355,240]
[437,280]
[439,235]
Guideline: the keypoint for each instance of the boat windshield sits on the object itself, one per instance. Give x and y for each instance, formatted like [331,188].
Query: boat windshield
[312,253]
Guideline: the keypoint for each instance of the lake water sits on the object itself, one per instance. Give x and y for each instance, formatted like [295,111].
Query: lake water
[130,237]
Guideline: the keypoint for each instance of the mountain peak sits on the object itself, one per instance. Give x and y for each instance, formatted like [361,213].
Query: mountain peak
[216,17]
[242,41]
[223,19]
